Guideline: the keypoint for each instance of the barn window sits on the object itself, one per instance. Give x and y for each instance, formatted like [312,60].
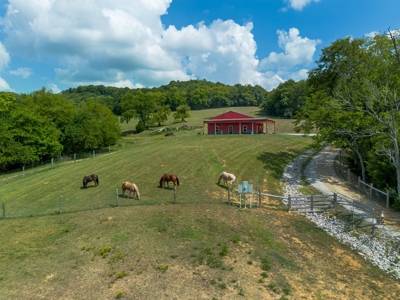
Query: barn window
[244,128]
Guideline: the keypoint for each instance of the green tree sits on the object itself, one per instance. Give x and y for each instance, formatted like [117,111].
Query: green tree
[175,97]
[358,82]
[182,112]
[286,100]
[139,105]
[161,114]
[38,137]
[94,126]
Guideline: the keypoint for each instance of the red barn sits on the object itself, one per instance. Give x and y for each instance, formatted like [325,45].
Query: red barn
[235,123]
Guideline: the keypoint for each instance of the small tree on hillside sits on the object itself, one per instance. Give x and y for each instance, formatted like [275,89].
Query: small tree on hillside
[182,112]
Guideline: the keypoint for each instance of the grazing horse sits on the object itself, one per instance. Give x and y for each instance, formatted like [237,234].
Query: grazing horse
[90,178]
[167,178]
[132,188]
[226,176]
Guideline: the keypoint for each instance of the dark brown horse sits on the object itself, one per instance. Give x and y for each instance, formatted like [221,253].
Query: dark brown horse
[166,178]
[90,178]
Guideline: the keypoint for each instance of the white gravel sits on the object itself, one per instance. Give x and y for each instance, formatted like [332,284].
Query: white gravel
[382,250]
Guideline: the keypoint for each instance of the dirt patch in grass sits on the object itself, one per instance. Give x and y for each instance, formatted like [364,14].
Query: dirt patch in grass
[198,251]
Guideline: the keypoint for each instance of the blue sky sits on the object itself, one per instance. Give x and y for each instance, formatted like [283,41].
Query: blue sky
[58,44]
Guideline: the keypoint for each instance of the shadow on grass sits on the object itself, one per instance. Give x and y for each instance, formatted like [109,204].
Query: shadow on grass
[87,187]
[166,187]
[128,132]
[276,162]
[222,186]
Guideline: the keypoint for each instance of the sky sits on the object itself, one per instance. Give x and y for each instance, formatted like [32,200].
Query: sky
[61,44]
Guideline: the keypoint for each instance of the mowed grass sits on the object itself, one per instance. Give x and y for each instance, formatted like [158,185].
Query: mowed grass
[198,116]
[198,248]
[196,159]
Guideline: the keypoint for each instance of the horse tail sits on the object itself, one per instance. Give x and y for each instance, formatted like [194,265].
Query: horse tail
[177,180]
[83,181]
[97,180]
[234,178]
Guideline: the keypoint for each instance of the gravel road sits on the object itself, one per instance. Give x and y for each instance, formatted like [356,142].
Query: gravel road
[383,249]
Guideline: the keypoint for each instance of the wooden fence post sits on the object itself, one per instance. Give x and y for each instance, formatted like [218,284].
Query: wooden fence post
[23,171]
[93,153]
[174,194]
[52,163]
[290,203]
[334,200]
[3,207]
[109,151]
[116,195]
[74,157]
[370,190]
[312,203]
[387,198]
[229,196]
[259,198]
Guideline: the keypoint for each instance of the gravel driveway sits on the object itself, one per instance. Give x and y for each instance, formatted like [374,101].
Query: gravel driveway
[383,251]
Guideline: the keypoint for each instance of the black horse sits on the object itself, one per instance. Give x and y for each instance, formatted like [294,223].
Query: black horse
[90,178]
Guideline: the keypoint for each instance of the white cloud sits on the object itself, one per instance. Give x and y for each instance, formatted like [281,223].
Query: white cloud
[124,43]
[300,4]
[371,34]
[23,72]
[4,57]
[4,86]
[298,51]
[54,88]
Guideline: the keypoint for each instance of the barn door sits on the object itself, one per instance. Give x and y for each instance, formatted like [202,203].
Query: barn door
[230,129]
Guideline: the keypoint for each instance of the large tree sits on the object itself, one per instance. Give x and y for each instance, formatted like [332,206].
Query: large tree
[139,105]
[354,97]
[286,99]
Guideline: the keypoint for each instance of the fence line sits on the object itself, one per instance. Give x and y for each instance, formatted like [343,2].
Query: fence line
[54,162]
[381,197]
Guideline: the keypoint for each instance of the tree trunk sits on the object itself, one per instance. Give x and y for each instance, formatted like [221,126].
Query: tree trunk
[360,158]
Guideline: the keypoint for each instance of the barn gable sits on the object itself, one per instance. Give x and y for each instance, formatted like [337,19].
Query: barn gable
[231,115]
[236,123]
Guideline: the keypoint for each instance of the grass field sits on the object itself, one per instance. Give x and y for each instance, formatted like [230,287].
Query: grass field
[198,116]
[198,248]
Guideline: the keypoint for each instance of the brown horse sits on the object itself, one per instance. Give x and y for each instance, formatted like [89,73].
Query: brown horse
[226,176]
[132,188]
[90,178]
[167,178]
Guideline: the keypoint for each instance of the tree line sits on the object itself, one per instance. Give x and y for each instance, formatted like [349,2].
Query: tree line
[353,102]
[350,99]
[152,106]
[42,125]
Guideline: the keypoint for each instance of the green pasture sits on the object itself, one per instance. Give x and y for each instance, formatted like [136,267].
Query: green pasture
[198,248]
[198,116]
[196,159]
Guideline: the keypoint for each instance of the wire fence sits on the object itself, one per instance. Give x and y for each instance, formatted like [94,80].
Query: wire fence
[56,162]
[379,196]
[45,205]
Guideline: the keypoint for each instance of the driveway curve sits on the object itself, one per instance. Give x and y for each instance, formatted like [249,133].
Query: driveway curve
[321,173]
